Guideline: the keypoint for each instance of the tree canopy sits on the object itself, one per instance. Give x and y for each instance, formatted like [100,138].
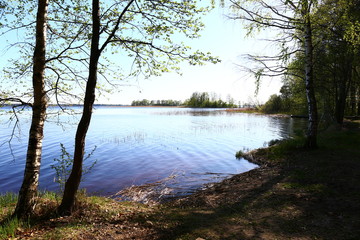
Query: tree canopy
[206,100]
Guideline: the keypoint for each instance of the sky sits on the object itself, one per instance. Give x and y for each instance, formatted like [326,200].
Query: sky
[225,39]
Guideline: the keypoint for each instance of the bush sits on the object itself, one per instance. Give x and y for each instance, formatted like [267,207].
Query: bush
[273,105]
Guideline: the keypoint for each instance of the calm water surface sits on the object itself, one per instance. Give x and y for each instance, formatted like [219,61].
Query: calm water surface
[144,145]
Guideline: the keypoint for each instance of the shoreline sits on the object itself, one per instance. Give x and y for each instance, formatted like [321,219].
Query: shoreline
[294,194]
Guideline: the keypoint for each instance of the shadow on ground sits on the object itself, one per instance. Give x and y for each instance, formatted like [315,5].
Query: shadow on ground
[310,195]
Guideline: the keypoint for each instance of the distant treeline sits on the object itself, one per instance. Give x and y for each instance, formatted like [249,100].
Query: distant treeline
[204,100]
[146,102]
[197,100]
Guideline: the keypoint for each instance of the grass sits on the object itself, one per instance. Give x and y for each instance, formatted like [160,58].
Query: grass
[7,199]
[295,194]
[9,226]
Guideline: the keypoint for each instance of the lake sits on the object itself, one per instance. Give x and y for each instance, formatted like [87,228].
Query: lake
[140,145]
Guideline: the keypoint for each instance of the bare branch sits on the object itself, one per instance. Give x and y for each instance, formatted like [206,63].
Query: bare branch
[16,100]
[116,27]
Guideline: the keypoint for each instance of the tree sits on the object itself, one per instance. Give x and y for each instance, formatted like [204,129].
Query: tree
[72,184]
[273,105]
[28,191]
[335,61]
[155,22]
[294,20]
[340,52]
[62,48]
[202,100]
[305,13]
[146,102]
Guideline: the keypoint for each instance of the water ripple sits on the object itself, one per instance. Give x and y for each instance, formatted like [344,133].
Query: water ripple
[143,145]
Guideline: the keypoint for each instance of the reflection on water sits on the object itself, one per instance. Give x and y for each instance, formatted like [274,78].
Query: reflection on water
[194,112]
[144,145]
[134,138]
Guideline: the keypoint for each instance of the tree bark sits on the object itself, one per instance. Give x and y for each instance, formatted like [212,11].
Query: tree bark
[28,191]
[341,101]
[358,101]
[72,184]
[343,87]
[353,98]
[311,138]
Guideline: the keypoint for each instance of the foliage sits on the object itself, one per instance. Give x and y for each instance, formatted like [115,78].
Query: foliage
[203,100]
[63,51]
[146,102]
[335,64]
[352,34]
[239,154]
[146,40]
[273,105]
[63,165]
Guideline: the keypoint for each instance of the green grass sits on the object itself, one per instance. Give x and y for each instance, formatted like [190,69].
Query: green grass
[10,226]
[7,205]
[279,151]
[7,199]
[340,140]
[49,195]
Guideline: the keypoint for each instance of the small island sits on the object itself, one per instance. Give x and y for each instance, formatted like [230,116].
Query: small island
[197,100]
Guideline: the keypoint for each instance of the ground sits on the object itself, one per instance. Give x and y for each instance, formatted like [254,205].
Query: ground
[294,194]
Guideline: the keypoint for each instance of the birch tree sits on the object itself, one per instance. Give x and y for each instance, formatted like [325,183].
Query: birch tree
[28,191]
[335,63]
[144,31]
[292,19]
[36,93]
[142,35]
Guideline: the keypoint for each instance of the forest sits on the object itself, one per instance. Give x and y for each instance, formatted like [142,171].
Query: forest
[197,100]
[146,102]
[334,62]
[60,56]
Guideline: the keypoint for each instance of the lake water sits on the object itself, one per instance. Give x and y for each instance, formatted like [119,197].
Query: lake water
[143,145]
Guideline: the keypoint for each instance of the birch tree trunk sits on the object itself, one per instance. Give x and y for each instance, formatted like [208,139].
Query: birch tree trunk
[28,191]
[72,184]
[311,140]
